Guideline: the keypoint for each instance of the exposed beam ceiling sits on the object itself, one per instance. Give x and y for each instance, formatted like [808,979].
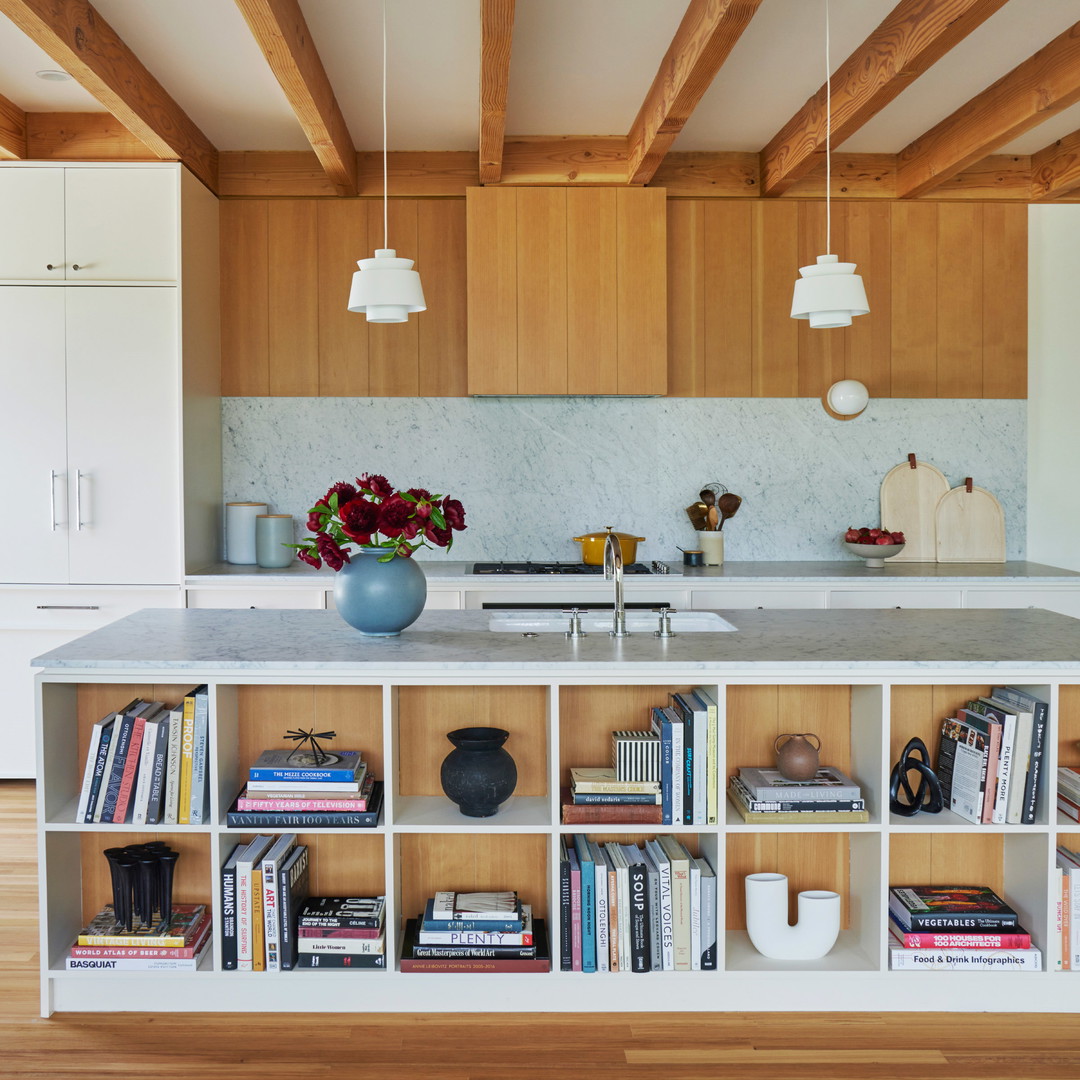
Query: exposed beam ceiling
[12,130]
[707,34]
[915,35]
[1055,169]
[1041,86]
[282,33]
[496,33]
[88,49]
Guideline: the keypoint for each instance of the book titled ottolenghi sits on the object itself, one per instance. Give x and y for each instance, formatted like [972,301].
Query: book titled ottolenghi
[275,765]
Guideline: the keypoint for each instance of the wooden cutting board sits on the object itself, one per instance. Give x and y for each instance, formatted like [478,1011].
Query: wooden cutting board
[970,527]
[909,499]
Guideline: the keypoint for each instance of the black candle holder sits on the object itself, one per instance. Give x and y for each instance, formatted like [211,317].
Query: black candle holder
[142,883]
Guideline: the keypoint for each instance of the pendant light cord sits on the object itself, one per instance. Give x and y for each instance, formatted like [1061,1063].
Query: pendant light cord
[828,137]
[386,215]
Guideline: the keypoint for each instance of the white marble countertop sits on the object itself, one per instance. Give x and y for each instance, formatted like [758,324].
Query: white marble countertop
[206,642]
[449,574]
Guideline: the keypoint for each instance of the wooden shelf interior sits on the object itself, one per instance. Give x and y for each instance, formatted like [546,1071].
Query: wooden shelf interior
[472,862]
[917,712]
[1068,727]
[589,714]
[424,715]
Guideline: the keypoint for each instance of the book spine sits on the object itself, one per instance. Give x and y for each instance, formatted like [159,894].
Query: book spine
[187,754]
[409,963]
[930,940]
[588,904]
[473,938]
[1005,768]
[200,737]
[99,770]
[507,952]
[595,798]
[228,918]
[603,920]
[76,963]
[712,772]
[123,811]
[346,774]
[171,794]
[88,771]
[695,915]
[333,922]
[680,913]
[951,924]
[709,934]
[155,798]
[447,926]
[258,923]
[188,952]
[118,753]
[565,943]
[1035,767]
[349,946]
[271,915]
[237,820]
[346,960]
[1064,920]
[965,959]
[140,799]
[575,911]
[640,949]
[661,725]
[243,916]
[620,813]
[301,806]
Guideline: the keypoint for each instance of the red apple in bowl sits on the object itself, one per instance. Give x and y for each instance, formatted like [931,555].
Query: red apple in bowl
[874,544]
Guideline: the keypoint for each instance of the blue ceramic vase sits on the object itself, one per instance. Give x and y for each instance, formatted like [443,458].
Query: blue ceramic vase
[379,598]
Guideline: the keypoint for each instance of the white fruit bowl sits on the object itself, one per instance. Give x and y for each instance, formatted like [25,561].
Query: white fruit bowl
[874,554]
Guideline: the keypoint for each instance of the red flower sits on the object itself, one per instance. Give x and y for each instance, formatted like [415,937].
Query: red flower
[305,555]
[359,519]
[334,556]
[396,518]
[314,521]
[344,492]
[379,486]
[454,513]
[441,537]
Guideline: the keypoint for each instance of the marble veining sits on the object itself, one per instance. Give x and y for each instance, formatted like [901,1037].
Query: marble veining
[535,472]
[319,643]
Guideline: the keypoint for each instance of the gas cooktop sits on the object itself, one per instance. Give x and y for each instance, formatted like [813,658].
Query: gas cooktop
[554,568]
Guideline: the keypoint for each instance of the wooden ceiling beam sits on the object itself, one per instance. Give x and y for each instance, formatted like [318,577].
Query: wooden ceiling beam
[912,37]
[282,33]
[97,136]
[1055,169]
[81,42]
[1031,93]
[12,130]
[496,33]
[705,37]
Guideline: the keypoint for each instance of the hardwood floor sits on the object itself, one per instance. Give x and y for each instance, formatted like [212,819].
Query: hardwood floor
[762,1046]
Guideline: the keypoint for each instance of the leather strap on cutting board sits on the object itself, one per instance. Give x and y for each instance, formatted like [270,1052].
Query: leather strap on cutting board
[909,499]
[970,526]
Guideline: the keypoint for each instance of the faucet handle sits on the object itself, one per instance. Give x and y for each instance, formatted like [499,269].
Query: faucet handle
[665,630]
[575,630]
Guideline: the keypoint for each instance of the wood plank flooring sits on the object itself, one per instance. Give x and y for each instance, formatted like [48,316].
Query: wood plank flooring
[761,1046]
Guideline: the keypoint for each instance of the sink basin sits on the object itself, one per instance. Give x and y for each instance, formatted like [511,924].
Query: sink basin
[599,622]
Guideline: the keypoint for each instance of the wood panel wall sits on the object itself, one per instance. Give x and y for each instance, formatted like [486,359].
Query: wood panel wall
[946,282]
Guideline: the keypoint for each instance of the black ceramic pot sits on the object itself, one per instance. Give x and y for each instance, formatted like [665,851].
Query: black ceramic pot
[478,774]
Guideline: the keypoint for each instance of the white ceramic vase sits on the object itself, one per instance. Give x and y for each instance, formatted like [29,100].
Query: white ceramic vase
[810,938]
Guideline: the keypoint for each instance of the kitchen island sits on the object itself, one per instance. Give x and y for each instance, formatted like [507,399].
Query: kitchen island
[864,681]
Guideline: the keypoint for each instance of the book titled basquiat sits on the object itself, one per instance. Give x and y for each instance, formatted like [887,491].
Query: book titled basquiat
[338,765]
[949,907]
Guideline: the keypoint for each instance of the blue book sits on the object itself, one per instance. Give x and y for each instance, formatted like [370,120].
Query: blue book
[341,766]
[502,925]
[588,902]
[661,724]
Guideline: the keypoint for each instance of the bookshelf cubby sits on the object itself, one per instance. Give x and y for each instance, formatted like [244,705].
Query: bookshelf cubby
[422,842]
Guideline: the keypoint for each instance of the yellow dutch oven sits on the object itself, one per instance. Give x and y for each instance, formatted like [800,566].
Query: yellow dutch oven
[592,546]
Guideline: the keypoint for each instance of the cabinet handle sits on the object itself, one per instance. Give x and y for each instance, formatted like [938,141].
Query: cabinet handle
[52,500]
[79,523]
[49,266]
[75,266]
[68,607]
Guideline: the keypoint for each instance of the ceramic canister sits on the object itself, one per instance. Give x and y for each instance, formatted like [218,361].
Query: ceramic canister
[240,531]
[272,533]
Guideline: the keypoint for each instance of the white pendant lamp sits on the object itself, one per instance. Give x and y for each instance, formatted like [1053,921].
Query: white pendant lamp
[829,293]
[386,288]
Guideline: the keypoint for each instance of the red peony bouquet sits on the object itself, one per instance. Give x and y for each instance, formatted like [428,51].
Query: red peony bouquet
[372,513]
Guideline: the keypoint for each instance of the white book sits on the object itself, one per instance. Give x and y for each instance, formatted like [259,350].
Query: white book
[667,917]
[1019,759]
[680,899]
[200,780]
[1004,769]
[272,862]
[901,959]
[140,799]
[170,816]
[695,716]
[600,892]
[695,915]
[622,901]
[712,745]
[351,946]
[91,765]
[245,899]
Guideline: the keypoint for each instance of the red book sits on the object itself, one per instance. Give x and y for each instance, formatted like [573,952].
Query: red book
[610,813]
[450,963]
[1014,938]
[131,769]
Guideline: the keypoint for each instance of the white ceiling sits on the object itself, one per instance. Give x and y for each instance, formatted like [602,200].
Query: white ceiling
[578,67]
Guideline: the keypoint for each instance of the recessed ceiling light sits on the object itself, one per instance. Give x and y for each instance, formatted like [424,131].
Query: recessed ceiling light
[53,76]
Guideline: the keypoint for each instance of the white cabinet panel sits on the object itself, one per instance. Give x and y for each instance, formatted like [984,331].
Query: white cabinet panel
[442,600]
[123,435]
[256,598]
[1065,600]
[32,224]
[894,598]
[33,431]
[767,599]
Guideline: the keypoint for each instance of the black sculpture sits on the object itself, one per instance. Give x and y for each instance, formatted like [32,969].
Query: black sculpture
[142,883]
[927,797]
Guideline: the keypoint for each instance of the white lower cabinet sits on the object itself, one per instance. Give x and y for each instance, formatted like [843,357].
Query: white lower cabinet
[422,843]
[760,598]
[914,597]
[256,598]
[1064,600]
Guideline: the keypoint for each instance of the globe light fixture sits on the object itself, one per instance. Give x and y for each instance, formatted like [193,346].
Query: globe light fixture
[847,398]
[385,288]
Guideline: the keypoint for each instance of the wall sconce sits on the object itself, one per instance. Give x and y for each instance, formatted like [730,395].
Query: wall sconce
[846,399]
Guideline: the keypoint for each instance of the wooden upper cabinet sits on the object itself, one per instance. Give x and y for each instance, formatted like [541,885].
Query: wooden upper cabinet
[567,290]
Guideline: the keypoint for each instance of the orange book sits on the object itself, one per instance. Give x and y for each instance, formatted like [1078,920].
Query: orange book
[258,933]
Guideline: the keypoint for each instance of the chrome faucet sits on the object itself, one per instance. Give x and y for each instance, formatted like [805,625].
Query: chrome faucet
[613,568]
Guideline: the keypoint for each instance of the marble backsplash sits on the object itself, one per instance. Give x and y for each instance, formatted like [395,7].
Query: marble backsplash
[534,472]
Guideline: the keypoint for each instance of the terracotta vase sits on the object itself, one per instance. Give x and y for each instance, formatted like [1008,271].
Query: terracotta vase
[796,756]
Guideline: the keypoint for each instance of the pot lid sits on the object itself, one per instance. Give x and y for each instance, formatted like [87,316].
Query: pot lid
[603,536]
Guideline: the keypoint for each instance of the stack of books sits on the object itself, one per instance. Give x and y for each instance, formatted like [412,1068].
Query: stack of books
[956,928]
[289,790]
[342,932]
[762,794]
[990,758]
[1068,792]
[146,765]
[598,795]
[631,908]
[263,885]
[480,931]
[1064,947]
[180,944]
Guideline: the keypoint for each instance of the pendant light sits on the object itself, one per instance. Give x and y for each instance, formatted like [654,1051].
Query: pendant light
[386,288]
[830,292]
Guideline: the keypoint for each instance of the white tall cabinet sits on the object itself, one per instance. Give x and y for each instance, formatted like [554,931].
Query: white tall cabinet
[108,300]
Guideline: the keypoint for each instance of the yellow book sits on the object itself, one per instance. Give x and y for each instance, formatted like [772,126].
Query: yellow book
[258,933]
[187,757]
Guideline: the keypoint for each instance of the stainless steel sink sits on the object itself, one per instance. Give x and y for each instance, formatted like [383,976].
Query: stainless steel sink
[599,622]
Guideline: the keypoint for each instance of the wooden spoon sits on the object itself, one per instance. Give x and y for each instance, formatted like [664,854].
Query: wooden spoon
[728,505]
